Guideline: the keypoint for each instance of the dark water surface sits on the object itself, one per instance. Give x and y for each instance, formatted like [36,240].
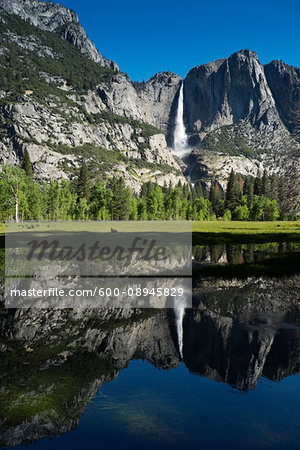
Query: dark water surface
[148,408]
[124,378]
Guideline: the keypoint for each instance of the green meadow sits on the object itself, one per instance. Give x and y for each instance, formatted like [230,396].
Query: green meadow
[229,228]
[240,231]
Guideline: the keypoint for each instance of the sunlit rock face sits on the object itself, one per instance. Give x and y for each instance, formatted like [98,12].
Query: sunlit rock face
[113,118]
[55,17]
[243,328]
[228,90]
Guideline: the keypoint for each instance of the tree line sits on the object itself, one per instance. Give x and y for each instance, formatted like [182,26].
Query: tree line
[245,198]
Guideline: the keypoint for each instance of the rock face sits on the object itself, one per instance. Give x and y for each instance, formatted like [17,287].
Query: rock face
[154,101]
[226,91]
[85,350]
[55,17]
[284,82]
[33,123]
[239,350]
[159,95]
[230,108]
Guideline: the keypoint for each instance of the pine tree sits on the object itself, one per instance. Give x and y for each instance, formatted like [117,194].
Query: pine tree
[233,192]
[26,164]
[248,190]
[240,181]
[186,190]
[265,184]
[213,196]
[258,184]
[274,187]
[198,190]
[147,188]
[119,206]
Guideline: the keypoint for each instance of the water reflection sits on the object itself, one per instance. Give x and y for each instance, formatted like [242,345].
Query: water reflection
[53,364]
[239,330]
[229,253]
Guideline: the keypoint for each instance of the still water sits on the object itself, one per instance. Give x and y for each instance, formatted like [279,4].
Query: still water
[149,408]
[226,376]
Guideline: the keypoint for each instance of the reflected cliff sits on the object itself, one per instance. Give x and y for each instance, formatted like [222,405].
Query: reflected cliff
[54,362]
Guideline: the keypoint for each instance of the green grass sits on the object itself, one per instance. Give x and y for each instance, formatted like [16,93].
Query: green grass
[94,226]
[214,228]
[239,231]
[236,227]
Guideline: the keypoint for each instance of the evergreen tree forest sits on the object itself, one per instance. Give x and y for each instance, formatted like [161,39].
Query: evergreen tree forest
[259,198]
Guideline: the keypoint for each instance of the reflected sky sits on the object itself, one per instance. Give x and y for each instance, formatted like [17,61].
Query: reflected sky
[150,408]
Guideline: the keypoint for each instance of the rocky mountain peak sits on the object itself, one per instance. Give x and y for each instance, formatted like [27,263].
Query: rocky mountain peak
[245,53]
[59,19]
[168,77]
[228,90]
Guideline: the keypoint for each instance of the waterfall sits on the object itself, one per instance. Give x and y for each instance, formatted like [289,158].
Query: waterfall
[180,136]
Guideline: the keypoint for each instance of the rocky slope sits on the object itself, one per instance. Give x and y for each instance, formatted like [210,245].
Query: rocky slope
[66,103]
[63,21]
[226,91]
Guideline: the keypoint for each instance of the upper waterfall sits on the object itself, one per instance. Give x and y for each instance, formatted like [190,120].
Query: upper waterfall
[180,136]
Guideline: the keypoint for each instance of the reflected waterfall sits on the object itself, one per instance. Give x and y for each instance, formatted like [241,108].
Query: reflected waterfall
[179,315]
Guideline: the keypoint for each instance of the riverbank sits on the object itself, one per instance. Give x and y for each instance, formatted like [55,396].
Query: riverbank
[244,232]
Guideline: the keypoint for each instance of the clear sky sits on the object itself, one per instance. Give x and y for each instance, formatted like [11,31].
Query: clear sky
[147,37]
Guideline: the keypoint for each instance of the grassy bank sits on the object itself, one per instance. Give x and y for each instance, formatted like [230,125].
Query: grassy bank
[218,232]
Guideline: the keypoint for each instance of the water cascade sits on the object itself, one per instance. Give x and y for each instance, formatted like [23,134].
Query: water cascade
[179,315]
[180,136]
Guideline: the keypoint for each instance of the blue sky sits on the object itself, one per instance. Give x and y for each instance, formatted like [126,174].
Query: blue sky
[147,37]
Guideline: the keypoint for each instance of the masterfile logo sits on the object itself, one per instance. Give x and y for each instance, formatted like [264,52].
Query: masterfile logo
[145,249]
[92,264]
